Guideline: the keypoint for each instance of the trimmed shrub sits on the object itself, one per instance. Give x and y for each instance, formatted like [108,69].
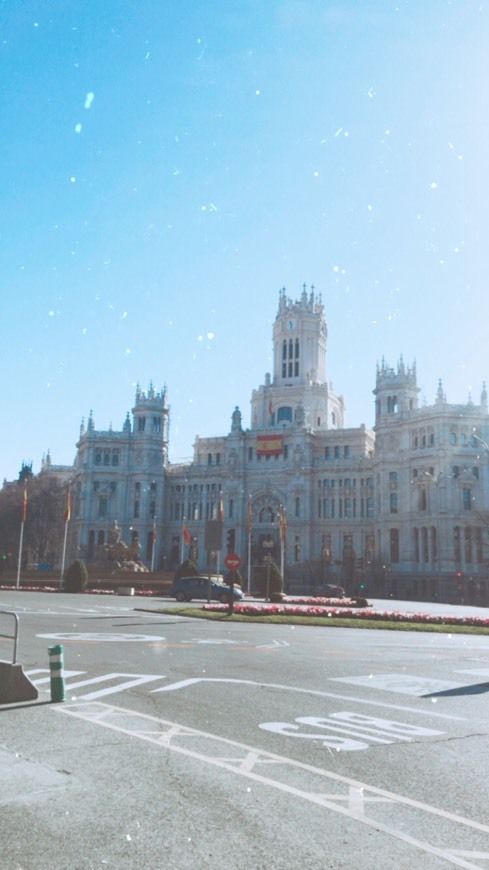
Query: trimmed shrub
[271,574]
[186,569]
[277,597]
[76,577]
[358,601]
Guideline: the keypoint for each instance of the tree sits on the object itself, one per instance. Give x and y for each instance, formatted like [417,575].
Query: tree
[43,526]
[269,579]
[76,577]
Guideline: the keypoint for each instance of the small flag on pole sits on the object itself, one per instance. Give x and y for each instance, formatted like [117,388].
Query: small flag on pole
[67,515]
[250,515]
[282,521]
[186,535]
[220,510]
[154,530]
[24,505]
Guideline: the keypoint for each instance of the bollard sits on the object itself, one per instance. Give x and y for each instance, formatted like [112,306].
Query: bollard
[57,674]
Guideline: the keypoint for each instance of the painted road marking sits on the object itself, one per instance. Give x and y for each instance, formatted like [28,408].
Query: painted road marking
[134,680]
[403,684]
[183,684]
[369,728]
[100,637]
[368,807]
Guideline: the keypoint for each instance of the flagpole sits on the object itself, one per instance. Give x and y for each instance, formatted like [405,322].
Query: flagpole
[63,557]
[22,521]
[249,544]
[67,518]
[249,563]
[153,548]
[20,552]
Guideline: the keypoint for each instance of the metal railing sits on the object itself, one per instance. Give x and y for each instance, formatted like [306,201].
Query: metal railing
[15,636]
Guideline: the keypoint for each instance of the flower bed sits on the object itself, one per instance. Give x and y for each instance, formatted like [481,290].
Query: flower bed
[296,609]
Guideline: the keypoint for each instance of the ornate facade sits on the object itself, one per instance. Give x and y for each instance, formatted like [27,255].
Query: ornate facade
[397,509]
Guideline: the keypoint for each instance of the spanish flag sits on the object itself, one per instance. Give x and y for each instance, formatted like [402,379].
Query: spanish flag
[186,535]
[269,445]
[220,509]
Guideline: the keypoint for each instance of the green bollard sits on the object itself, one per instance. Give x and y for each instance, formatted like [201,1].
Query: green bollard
[57,674]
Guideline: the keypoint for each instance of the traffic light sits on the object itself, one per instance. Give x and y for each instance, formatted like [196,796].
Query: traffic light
[230,540]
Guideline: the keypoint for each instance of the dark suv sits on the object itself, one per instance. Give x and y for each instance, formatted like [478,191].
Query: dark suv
[187,588]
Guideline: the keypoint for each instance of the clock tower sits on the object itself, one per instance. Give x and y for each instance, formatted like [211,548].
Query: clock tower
[299,390]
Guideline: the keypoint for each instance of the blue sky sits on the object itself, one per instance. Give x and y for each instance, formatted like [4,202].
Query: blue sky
[168,167]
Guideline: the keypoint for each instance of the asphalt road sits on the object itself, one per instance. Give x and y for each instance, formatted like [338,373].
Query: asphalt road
[193,744]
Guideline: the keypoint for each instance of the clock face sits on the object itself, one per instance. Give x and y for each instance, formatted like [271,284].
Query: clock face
[290,324]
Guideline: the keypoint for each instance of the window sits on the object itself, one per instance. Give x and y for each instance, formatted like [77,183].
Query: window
[297,506]
[467,498]
[136,508]
[422,499]
[327,453]
[393,502]
[394,545]
[141,424]
[284,415]
[337,452]
[98,457]
[456,544]
[455,470]
[115,457]
[453,438]
[393,476]
[113,487]
[346,451]
[102,506]
[152,509]
[475,472]
[218,458]
[250,454]
[96,486]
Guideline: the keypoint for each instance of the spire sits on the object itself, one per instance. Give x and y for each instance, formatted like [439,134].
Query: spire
[484,395]
[440,397]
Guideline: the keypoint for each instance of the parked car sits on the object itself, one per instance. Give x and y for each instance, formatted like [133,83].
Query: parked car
[328,590]
[186,588]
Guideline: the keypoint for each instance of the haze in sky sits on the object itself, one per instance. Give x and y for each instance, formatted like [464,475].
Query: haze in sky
[168,167]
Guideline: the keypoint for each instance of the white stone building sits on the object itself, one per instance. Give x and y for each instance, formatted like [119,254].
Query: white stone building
[396,509]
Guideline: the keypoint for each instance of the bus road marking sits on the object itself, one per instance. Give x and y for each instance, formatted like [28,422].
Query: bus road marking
[275,771]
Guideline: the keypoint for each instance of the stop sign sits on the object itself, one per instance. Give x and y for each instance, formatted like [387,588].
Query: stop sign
[232,561]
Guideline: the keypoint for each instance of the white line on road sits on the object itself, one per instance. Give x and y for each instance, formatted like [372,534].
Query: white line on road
[182,684]
[241,759]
